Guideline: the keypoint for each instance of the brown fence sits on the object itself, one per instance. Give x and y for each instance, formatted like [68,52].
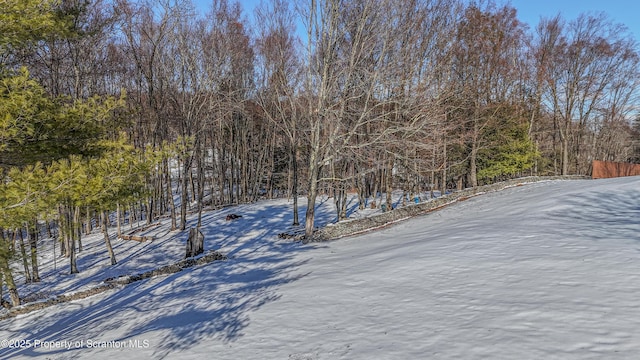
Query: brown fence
[609,169]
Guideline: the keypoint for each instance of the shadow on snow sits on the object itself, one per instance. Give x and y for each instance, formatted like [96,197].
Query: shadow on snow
[209,301]
[600,216]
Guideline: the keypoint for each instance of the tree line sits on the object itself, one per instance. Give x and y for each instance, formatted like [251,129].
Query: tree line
[118,110]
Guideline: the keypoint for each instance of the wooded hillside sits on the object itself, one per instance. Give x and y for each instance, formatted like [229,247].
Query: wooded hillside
[114,111]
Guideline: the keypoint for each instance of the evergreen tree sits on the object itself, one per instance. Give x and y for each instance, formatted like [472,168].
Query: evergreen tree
[24,110]
[26,120]
[22,200]
[118,177]
[68,181]
[24,21]
[37,128]
[508,150]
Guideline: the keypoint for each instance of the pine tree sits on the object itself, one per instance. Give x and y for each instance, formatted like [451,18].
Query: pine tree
[22,199]
[117,177]
[26,119]
[508,149]
[46,143]
[67,185]
[23,22]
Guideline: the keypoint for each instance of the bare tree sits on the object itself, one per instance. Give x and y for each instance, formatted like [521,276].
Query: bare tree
[583,63]
[360,84]
[280,80]
[146,33]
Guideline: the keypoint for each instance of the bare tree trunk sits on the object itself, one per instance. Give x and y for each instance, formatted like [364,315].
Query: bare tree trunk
[473,157]
[33,244]
[77,227]
[337,200]
[172,206]
[473,166]
[311,197]
[192,184]
[118,219]
[105,232]
[443,179]
[8,280]
[149,213]
[48,226]
[361,185]
[63,232]
[376,188]
[294,182]
[233,188]
[565,153]
[132,216]
[185,195]
[389,185]
[23,253]
[200,196]
[343,204]
[87,225]
[71,244]
[215,200]
[222,175]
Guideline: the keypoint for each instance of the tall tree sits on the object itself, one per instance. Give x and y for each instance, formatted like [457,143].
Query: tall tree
[488,56]
[355,100]
[583,64]
[280,80]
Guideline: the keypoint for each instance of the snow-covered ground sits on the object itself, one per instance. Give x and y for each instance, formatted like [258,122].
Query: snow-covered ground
[548,270]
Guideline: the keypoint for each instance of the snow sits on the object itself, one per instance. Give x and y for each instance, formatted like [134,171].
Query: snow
[547,270]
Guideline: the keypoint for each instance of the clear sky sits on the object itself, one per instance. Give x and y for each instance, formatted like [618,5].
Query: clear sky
[626,12]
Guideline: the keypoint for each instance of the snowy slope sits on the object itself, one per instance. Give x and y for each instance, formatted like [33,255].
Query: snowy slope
[543,271]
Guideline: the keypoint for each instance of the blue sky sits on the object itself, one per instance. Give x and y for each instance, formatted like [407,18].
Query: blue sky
[626,12]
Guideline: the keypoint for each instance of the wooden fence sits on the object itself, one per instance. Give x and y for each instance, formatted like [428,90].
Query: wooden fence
[609,169]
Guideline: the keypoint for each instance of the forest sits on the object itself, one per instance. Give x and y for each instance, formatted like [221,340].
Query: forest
[115,111]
